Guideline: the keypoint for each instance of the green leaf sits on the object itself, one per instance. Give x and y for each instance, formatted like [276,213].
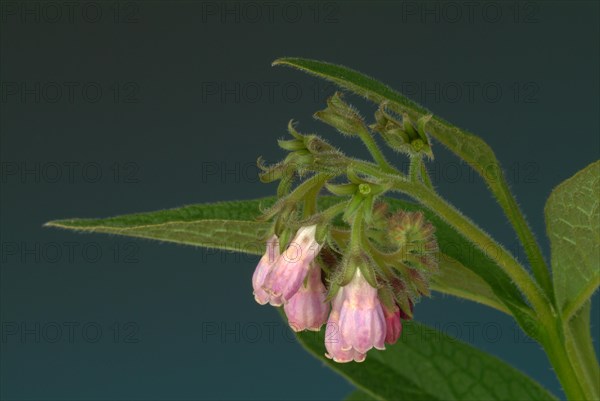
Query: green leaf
[222,225]
[456,279]
[465,271]
[464,144]
[426,364]
[359,395]
[573,224]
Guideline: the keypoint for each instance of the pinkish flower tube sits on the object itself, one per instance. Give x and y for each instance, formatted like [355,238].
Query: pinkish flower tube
[362,322]
[289,271]
[333,338]
[307,309]
[262,270]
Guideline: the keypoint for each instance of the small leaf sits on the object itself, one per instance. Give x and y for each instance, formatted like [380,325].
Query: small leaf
[426,364]
[573,224]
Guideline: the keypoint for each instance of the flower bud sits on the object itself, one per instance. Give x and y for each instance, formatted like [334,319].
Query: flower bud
[341,116]
[404,136]
[411,231]
[393,325]
[308,309]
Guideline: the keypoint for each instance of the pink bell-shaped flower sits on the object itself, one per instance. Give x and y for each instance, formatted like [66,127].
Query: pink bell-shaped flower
[333,338]
[262,270]
[290,269]
[362,322]
[307,309]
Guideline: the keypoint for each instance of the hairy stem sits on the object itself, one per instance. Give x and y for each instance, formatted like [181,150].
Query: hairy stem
[375,152]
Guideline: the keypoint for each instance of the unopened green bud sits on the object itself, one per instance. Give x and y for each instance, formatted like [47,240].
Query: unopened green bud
[270,173]
[317,145]
[341,116]
[300,159]
[404,136]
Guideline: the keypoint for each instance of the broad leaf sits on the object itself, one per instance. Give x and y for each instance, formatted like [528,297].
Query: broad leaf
[426,364]
[464,144]
[573,224]
[465,271]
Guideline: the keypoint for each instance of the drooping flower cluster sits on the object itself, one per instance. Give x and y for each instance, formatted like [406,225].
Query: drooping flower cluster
[352,265]
[357,319]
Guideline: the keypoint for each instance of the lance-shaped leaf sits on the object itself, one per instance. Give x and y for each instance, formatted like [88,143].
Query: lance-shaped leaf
[222,225]
[464,144]
[573,223]
[426,364]
[465,271]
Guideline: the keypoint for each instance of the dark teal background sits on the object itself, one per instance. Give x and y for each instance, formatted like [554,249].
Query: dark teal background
[179,322]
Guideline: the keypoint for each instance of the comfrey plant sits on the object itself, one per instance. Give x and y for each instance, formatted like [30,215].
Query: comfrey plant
[374,264]
[346,261]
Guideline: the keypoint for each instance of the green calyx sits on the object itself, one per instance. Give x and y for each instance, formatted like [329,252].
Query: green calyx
[404,136]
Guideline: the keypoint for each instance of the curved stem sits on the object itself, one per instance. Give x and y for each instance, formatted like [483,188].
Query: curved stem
[375,152]
[557,354]
[356,231]
[530,244]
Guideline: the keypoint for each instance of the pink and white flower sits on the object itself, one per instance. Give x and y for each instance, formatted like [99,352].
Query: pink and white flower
[307,309]
[333,338]
[262,270]
[362,322]
[289,271]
